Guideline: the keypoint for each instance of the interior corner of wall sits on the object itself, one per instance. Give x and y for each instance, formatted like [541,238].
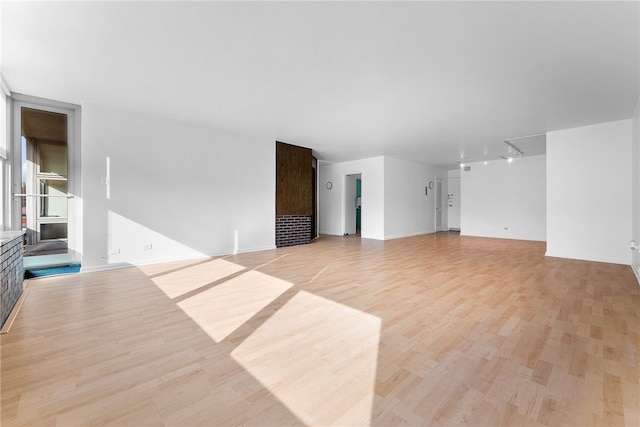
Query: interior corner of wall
[4,86]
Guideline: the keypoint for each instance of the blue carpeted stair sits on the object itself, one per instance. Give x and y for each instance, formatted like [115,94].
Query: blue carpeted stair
[31,273]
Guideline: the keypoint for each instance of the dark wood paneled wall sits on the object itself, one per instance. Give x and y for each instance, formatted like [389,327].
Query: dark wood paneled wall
[294,175]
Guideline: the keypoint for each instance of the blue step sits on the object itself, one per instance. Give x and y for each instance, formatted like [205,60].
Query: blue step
[51,271]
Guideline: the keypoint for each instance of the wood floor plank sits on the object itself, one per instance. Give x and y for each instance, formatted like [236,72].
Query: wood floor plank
[428,330]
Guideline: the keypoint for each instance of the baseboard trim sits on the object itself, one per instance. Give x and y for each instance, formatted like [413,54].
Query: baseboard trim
[16,308]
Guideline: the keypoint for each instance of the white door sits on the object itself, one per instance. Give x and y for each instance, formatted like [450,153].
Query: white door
[439,205]
[453,202]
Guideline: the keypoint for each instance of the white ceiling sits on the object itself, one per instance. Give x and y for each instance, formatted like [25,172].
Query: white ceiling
[433,82]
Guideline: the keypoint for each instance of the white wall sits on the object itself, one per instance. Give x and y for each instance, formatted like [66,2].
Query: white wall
[393,200]
[331,206]
[185,190]
[589,192]
[407,210]
[635,188]
[504,199]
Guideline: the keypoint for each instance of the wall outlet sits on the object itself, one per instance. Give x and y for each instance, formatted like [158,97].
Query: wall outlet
[115,251]
[147,247]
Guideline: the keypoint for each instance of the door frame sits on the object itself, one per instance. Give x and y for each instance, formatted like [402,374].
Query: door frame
[74,185]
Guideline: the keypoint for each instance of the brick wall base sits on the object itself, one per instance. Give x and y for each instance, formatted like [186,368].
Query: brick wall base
[12,275]
[292,230]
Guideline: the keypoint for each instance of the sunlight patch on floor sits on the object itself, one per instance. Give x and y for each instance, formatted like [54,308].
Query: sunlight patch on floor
[184,280]
[155,270]
[318,357]
[223,308]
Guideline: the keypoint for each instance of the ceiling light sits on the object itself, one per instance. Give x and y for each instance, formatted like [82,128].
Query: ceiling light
[513,149]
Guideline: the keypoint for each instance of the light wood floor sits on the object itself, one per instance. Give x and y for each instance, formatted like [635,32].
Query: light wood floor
[429,330]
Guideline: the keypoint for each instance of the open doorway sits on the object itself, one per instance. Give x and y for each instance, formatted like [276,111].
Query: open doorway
[44,184]
[353,204]
[45,181]
[358,205]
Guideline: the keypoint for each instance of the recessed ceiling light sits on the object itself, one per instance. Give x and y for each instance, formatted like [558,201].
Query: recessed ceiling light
[510,159]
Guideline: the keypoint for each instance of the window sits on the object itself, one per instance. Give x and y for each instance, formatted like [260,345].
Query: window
[5,189]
